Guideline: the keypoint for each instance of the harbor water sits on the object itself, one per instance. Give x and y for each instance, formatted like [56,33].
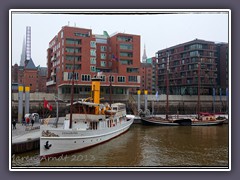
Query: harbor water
[147,146]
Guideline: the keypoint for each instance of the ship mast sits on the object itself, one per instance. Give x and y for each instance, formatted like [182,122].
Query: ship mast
[199,78]
[110,89]
[167,79]
[72,87]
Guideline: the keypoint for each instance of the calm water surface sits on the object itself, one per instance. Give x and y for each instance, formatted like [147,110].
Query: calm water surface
[147,146]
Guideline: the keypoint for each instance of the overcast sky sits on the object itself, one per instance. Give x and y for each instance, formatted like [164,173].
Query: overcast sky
[157,31]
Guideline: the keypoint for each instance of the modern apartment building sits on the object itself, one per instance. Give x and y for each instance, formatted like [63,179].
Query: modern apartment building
[183,61]
[222,65]
[117,57]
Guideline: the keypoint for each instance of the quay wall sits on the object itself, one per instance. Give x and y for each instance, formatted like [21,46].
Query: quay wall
[25,146]
[185,104]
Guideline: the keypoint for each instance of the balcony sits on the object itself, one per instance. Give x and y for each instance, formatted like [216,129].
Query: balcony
[53,59]
[49,83]
[53,74]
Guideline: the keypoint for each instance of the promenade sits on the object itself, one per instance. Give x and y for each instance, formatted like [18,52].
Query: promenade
[25,137]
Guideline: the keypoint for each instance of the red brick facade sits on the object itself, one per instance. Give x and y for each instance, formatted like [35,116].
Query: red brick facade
[117,56]
[34,78]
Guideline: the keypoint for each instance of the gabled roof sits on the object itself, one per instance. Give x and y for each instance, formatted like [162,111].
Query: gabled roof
[42,71]
[30,64]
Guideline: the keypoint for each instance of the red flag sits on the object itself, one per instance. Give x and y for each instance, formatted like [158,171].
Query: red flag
[47,105]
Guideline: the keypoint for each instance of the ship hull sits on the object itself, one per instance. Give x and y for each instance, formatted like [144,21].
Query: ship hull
[69,141]
[180,122]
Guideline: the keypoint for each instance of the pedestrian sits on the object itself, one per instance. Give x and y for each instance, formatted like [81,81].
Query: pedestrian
[32,121]
[14,124]
[27,120]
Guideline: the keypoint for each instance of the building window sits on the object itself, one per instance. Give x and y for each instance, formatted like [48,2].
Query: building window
[194,53]
[121,78]
[127,62]
[132,78]
[70,66]
[92,68]
[92,60]
[103,48]
[132,70]
[71,58]
[103,78]
[111,78]
[126,46]
[71,41]
[93,44]
[103,55]
[82,34]
[126,54]
[103,63]
[86,77]
[125,38]
[93,52]
[73,50]
[70,76]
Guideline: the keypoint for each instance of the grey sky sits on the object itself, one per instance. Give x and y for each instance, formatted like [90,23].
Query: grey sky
[156,31]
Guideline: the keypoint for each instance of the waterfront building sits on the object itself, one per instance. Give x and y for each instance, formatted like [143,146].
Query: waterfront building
[146,76]
[222,66]
[149,76]
[184,60]
[29,75]
[117,57]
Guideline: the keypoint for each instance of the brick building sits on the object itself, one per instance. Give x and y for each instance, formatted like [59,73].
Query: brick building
[148,74]
[222,65]
[183,67]
[116,56]
[29,75]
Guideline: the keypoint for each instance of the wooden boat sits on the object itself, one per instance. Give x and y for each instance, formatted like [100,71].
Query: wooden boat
[158,121]
[209,120]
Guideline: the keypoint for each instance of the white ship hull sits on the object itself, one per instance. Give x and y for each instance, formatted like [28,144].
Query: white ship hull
[63,141]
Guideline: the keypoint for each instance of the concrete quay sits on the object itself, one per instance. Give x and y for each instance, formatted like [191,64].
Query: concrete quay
[25,138]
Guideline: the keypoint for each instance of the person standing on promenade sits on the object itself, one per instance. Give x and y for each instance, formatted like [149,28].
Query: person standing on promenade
[14,124]
[27,120]
[32,121]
